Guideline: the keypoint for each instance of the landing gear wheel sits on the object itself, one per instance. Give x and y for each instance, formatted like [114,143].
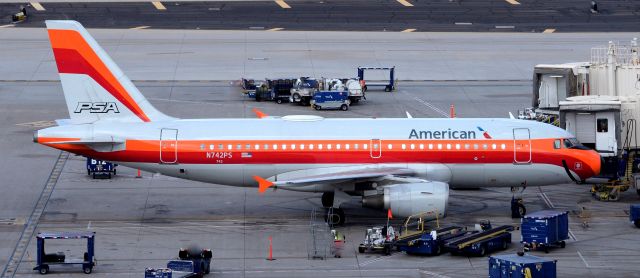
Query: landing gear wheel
[518,210]
[327,199]
[336,218]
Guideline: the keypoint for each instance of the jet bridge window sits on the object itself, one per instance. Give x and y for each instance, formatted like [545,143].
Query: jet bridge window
[603,125]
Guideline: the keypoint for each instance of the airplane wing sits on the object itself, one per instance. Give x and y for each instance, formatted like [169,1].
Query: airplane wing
[329,175]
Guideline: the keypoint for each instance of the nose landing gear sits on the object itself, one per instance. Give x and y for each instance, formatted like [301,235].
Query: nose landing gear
[518,210]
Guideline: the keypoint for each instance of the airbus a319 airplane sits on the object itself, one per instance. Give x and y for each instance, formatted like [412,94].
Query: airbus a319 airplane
[402,164]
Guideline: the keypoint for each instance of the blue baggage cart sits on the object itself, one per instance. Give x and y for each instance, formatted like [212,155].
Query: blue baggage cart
[330,100]
[543,229]
[45,260]
[634,214]
[100,168]
[514,266]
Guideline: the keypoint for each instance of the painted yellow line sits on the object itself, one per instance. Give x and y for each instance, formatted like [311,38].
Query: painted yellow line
[37,6]
[140,27]
[283,4]
[513,2]
[159,5]
[547,31]
[407,30]
[275,29]
[405,3]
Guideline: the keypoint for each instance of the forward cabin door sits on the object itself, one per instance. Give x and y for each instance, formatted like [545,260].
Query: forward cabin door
[521,146]
[168,145]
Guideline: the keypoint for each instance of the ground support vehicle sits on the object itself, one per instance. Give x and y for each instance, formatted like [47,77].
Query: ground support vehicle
[159,273]
[431,243]
[481,242]
[380,238]
[351,85]
[389,85]
[45,260]
[201,260]
[330,100]
[526,266]
[19,16]
[280,89]
[248,85]
[303,89]
[100,168]
[634,214]
[543,229]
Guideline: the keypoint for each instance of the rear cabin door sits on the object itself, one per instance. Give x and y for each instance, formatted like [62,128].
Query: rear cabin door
[375,148]
[168,145]
[521,146]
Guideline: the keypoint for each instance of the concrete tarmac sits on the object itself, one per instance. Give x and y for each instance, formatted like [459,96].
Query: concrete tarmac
[345,15]
[229,55]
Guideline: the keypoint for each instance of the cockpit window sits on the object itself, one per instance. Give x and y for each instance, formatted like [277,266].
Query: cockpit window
[572,143]
[557,144]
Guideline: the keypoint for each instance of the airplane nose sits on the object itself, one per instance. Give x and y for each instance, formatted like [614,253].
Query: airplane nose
[595,162]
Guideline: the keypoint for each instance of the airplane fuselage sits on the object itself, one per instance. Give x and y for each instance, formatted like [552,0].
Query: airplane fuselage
[461,152]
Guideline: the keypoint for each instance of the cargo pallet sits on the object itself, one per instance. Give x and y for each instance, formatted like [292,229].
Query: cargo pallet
[481,243]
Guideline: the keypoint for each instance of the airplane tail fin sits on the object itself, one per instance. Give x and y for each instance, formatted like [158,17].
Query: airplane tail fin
[94,86]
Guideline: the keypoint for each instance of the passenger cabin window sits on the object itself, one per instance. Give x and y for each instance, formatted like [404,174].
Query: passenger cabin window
[603,125]
[557,144]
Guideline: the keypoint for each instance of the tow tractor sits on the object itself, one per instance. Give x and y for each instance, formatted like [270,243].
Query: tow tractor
[201,260]
[379,238]
[484,240]
[303,90]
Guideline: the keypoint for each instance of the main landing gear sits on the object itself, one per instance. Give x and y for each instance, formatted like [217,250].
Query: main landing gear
[334,216]
[518,210]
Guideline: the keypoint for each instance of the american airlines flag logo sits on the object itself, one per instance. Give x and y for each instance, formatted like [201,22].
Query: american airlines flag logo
[246,155]
[484,133]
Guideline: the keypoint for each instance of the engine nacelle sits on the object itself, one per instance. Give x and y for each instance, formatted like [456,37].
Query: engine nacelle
[412,198]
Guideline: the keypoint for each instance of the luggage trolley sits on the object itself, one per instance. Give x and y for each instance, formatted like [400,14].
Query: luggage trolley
[388,86]
[45,260]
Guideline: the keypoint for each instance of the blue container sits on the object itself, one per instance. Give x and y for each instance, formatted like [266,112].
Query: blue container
[545,227]
[514,266]
[634,214]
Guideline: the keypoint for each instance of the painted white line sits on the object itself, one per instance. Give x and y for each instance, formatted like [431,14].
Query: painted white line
[159,5]
[464,23]
[433,274]
[89,225]
[283,4]
[405,3]
[140,27]
[37,6]
[573,236]
[275,29]
[505,27]
[5,26]
[408,30]
[513,2]
[548,31]
[427,104]
[583,260]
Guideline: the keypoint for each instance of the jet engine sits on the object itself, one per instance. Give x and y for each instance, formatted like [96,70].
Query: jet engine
[411,198]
